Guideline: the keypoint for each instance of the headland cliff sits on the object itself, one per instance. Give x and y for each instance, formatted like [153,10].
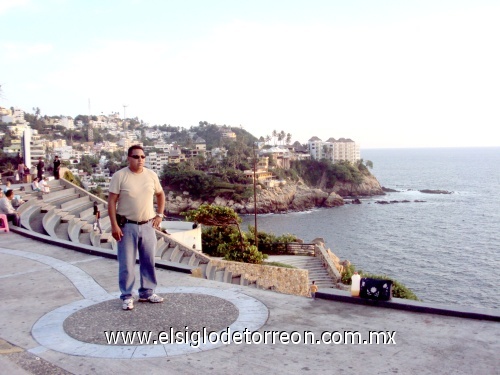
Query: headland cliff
[287,196]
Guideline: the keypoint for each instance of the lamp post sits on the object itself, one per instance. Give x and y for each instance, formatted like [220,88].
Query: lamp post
[255,197]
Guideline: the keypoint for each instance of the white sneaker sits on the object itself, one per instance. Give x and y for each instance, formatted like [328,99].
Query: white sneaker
[153,298]
[128,304]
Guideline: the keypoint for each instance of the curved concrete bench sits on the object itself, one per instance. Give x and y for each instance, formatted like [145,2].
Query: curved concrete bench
[88,213]
[73,208]
[161,247]
[56,195]
[57,201]
[26,205]
[95,238]
[77,204]
[29,208]
[50,221]
[75,229]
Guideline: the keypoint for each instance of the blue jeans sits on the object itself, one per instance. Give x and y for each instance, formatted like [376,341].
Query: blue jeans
[135,238]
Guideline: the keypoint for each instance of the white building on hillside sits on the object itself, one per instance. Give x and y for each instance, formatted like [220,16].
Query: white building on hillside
[155,161]
[342,149]
[17,117]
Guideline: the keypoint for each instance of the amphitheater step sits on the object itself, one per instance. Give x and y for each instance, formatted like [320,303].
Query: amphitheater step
[177,255]
[62,231]
[219,275]
[84,238]
[67,218]
[193,261]
[227,277]
[105,237]
[167,254]
[106,245]
[87,228]
[36,223]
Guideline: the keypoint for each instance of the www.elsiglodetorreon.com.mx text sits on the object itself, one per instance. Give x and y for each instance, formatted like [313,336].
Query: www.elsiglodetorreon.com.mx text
[227,336]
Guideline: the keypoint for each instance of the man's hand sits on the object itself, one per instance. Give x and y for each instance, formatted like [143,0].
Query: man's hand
[116,232]
[156,222]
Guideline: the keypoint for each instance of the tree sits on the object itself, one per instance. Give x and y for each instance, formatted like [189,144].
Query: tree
[87,163]
[97,191]
[282,136]
[288,138]
[221,216]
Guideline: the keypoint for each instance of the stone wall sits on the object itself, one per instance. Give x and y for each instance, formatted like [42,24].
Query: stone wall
[279,279]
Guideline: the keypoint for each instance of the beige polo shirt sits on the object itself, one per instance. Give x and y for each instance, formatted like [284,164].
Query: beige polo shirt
[136,192]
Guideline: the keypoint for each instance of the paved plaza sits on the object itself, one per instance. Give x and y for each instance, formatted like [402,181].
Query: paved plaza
[57,304]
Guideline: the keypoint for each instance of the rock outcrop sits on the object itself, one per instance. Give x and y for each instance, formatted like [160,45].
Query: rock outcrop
[284,198]
[369,187]
[431,191]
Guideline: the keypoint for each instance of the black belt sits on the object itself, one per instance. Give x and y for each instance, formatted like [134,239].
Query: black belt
[137,222]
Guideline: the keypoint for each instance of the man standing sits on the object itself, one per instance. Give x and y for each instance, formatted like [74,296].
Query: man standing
[133,222]
[57,165]
[39,168]
[7,209]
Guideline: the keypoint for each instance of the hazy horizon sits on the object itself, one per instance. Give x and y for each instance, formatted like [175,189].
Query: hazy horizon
[387,74]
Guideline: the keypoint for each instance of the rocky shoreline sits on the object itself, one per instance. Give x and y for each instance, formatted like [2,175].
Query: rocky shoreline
[424,191]
[284,198]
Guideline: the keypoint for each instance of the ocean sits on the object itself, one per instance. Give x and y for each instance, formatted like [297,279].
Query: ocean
[446,248]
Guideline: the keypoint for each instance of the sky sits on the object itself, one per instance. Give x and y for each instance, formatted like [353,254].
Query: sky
[387,74]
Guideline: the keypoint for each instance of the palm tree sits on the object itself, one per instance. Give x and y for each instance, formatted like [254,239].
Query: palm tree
[275,134]
[288,138]
[282,135]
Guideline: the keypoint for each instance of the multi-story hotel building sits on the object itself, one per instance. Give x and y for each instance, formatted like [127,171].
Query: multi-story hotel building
[334,150]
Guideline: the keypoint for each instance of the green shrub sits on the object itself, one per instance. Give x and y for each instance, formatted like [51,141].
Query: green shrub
[68,176]
[347,274]
[249,255]
[269,243]
[212,237]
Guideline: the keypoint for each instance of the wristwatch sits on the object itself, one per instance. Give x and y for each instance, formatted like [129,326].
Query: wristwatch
[160,215]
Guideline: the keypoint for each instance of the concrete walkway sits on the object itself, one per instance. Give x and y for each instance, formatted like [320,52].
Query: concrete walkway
[57,303]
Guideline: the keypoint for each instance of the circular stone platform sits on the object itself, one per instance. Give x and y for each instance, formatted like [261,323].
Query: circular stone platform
[180,312]
[77,328]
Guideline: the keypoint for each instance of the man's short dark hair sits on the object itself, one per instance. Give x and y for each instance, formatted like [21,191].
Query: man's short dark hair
[134,147]
[9,192]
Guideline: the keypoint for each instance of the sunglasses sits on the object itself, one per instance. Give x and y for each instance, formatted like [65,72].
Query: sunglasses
[138,156]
